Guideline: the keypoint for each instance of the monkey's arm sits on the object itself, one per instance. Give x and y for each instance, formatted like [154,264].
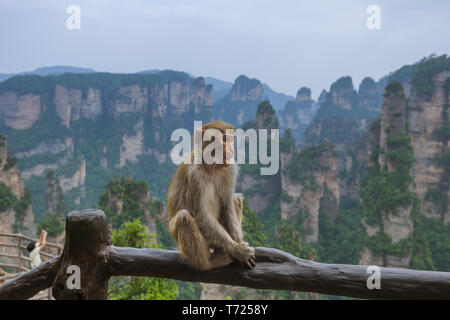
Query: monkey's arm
[233,218]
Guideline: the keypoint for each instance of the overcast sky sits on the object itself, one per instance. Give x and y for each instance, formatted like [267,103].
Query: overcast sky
[285,43]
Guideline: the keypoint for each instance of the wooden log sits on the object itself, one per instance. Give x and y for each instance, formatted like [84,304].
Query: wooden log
[24,258]
[3,244]
[86,247]
[279,270]
[30,283]
[14,256]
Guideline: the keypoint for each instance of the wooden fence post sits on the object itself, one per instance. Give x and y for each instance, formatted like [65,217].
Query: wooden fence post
[19,248]
[86,249]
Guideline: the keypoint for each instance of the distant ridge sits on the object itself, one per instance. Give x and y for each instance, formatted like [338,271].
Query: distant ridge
[44,71]
[220,87]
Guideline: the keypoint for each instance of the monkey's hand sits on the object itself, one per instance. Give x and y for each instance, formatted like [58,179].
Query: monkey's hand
[245,254]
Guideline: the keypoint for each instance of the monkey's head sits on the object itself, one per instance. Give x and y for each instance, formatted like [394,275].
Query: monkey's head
[216,136]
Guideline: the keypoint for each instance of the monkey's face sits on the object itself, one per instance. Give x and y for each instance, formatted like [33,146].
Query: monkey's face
[216,140]
[218,147]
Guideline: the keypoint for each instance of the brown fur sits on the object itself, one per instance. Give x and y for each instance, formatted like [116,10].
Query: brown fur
[205,215]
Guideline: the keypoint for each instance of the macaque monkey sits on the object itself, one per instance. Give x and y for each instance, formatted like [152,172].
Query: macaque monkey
[204,214]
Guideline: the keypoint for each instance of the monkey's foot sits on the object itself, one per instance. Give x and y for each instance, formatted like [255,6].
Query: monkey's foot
[220,259]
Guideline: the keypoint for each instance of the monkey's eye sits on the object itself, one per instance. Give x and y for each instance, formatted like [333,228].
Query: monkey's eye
[230,138]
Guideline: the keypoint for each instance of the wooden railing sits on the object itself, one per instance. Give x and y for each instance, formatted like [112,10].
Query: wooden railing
[16,263]
[89,259]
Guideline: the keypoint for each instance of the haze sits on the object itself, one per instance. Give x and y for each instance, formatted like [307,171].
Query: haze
[287,44]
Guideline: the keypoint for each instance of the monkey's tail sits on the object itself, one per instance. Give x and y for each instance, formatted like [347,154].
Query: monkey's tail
[190,240]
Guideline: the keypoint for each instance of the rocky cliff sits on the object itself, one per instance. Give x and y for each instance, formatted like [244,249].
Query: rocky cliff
[369,183]
[15,204]
[260,191]
[297,114]
[387,198]
[428,125]
[171,92]
[345,115]
[91,127]
[310,186]
[16,214]
[240,104]
[55,209]
[405,192]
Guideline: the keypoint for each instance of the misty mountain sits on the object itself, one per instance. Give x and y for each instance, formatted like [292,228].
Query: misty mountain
[44,71]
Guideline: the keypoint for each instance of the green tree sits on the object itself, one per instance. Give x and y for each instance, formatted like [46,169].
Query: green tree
[134,234]
[130,193]
[252,227]
[288,239]
[7,197]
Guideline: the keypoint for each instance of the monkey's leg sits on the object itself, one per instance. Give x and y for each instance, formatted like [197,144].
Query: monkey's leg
[191,242]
